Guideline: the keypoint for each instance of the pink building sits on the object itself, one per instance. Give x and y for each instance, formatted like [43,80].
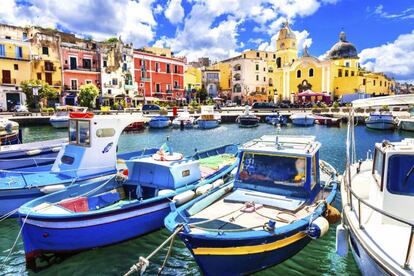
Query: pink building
[80,65]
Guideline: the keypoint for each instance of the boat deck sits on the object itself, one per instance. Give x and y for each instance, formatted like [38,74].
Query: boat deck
[12,180]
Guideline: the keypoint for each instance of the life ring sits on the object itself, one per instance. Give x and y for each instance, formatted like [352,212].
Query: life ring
[161,156]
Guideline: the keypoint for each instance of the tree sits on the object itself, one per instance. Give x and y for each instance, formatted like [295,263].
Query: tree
[87,95]
[202,94]
[45,91]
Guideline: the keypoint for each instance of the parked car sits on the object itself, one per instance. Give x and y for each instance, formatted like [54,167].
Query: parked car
[151,108]
[258,106]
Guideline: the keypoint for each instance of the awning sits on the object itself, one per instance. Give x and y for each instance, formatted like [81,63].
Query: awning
[310,93]
[406,99]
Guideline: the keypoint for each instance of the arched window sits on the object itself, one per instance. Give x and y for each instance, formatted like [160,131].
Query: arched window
[298,74]
[237,88]
[311,72]
[237,67]
[278,62]
[237,77]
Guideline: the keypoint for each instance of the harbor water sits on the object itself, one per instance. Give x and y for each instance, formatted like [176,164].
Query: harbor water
[318,258]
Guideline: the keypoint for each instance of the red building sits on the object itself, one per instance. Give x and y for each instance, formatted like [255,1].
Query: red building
[164,74]
[80,65]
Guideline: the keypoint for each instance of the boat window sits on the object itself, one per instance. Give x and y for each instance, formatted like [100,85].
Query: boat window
[83,133]
[72,131]
[400,178]
[273,169]
[378,165]
[105,132]
[314,173]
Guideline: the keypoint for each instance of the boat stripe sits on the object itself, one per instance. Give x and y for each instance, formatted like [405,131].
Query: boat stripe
[252,249]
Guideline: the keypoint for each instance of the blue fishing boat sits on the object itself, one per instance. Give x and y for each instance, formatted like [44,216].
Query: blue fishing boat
[380,120]
[159,122]
[303,119]
[272,209]
[276,119]
[9,132]
[34,154]
[208,118]
[90,153]
[112,210]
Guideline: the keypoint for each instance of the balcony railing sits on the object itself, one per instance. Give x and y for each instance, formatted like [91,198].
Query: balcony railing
[8,81]
[79,68]
[14,56]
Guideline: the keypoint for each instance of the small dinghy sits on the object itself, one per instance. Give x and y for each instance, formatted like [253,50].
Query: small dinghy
[327,121]
[302,119]
[183,120]
[247,119]
[123,207]
[90,153]
[159,122]
[271,211]
[34,154]
[380,121]
[61,118]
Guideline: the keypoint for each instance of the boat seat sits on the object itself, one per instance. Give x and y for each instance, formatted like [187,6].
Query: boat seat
[277,201]
[108,198]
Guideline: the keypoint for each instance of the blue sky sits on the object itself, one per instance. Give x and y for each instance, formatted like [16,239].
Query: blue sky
[382,31]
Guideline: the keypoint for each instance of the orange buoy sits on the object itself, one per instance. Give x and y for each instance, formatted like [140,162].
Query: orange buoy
[125,172]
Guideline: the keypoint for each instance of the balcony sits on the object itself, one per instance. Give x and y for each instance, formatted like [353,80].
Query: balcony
[79,68]
[49,68]
[169,91]
[8,81]
[13,56]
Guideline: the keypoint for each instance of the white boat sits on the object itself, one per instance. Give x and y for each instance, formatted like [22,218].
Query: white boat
[184,119]
[302,119]
[61,118]
[378,199]
[407,123]
[208,119]
[380,121]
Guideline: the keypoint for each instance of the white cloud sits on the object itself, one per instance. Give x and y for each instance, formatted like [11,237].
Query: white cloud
[174,12]
[101,19]
[405,14]
[395,58]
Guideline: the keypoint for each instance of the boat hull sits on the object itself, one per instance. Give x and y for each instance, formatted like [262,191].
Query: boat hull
[305,121]
[159,124]
[52,236]
[60,123]
[248,122]
[216,257]
[207,124]
[407,125]
[10,139]
[380,124]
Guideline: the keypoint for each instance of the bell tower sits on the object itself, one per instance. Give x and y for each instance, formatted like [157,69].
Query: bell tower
[286,46]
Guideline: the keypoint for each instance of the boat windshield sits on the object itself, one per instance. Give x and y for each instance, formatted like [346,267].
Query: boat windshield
[378,164]
[401,174]
[79,132]
[273,169]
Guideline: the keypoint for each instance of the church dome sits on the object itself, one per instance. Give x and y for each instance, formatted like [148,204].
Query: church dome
[343,49]
[286,32]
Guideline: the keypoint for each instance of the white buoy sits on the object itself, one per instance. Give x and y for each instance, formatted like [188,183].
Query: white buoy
[52,188]
[342,246]
[33,152]
[217,183]
[203,189]
[165,192]
[318,228]
[183,197]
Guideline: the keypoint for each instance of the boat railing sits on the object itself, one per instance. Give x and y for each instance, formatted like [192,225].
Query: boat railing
[359,201]
[351,159]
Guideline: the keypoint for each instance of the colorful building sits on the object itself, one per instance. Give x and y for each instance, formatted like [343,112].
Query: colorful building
[338,74]
[159,75]
[81,65]
[14,65]
[117,74]
[192,81]
[211,81]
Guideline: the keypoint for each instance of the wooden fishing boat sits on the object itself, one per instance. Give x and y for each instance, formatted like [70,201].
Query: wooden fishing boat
[270,212]
[108,211]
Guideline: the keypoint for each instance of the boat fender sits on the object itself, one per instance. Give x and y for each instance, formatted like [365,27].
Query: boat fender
[217,183]
[184,197]
[342,236]
[33,152]
[332,214]
[52,188]
[165,192]
[318,228]
[56,149]
[234,171]
[203,189]
[120,178]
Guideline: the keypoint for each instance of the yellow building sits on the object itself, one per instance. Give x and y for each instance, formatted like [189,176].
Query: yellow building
[336,75]
[192,78]
[45,50]
[225,78]
[14,65]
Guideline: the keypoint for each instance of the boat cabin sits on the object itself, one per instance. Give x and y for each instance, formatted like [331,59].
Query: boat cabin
[93,142]
[393,172]
[281,165]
